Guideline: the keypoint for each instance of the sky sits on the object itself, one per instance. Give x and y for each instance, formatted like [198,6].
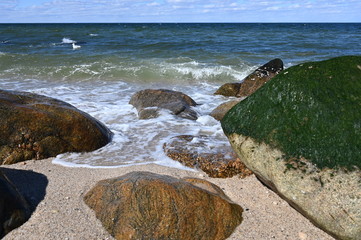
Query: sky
[78,11]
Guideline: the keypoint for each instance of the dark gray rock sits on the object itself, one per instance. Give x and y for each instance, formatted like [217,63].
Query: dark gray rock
[148,103]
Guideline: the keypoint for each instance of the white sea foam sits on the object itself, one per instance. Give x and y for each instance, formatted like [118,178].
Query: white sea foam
[68,40]
[135,141]
[204,71]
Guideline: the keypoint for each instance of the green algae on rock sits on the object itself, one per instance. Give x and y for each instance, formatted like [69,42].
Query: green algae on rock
[311,110]
[300,135]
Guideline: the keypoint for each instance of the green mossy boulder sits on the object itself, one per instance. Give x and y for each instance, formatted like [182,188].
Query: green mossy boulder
[301,135]
[310,110]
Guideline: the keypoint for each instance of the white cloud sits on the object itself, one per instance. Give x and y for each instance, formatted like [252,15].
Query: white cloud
[265,3]
[153,4]
[179,10]
[273,8]
[295,6]
[181,1]
[5,4]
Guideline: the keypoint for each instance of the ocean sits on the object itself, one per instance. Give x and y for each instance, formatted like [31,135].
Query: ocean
[114,61]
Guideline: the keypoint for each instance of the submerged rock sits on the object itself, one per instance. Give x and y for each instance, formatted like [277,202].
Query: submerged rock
[14,209]
[144,205]
[253,81]
[195,152]
[149,102]
[36,127]
[300,134]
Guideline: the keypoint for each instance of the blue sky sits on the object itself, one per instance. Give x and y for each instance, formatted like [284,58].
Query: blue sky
[179,11]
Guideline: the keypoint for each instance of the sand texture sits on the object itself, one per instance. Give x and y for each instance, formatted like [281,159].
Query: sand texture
[56,193]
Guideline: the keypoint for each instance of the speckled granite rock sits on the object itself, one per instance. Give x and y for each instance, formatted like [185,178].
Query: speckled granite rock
[144,205]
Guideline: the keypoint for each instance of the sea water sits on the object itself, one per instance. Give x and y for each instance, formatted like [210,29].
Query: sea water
[114,61]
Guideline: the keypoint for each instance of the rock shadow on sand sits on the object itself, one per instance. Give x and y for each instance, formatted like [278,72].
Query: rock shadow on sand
[31,185]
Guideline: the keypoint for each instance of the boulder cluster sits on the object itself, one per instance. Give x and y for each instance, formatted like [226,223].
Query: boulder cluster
[223,162]
[297,130]
[38,127]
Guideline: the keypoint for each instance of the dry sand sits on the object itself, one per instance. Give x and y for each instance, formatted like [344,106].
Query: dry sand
[60,212]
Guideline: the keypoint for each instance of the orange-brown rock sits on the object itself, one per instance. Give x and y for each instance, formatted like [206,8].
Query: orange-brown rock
[259,77]
[219,112]
[14,210]
[149,101]
[36,127]
[228,89]
[253,81]
[144,205]
[193,151]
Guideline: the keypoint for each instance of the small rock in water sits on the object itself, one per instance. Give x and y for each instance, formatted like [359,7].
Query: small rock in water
[193,151]
[148,102]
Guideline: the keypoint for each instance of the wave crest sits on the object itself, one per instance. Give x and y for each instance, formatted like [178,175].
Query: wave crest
[113,68]
[68,40]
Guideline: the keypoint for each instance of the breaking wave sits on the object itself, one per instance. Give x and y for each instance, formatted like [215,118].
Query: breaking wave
[77,68]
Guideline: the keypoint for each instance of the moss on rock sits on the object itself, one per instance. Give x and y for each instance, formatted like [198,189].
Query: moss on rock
[311,110]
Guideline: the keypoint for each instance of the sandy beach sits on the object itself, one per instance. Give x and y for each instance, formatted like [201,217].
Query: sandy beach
[60,213]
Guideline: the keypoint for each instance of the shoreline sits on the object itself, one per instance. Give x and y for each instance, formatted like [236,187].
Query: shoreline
[61,213]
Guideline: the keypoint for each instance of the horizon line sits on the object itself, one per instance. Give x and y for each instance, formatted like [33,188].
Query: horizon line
[301,22]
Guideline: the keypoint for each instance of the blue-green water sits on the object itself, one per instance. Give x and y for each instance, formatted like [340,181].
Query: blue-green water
[116,60]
